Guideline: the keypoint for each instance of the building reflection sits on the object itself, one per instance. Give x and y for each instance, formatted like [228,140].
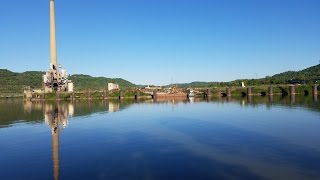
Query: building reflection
[174,100]
[114,106]
[30,106]
[57,117]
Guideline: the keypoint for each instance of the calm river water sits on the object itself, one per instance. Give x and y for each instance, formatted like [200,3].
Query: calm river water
[256,138]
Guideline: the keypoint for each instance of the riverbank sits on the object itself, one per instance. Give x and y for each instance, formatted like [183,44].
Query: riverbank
[281,90]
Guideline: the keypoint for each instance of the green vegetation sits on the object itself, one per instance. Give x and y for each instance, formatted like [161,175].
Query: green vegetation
[309,74]
[13,83]
[86,82]
[52,96]
[306,76]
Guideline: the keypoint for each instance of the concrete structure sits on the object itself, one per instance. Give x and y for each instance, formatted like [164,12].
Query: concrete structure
[228,92]
[105,94]
[208,93]
[154,95]
[56,78]
[121,94]
[315,90]
[88,94]
[249,91]
[113,86]
[53,44]
[137,95]
[270,91]
[292,89]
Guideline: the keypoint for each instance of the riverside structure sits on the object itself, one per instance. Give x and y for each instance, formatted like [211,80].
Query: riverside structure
[207,93]
[56,78]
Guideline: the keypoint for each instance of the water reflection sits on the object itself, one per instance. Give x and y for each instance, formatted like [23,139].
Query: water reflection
[114,106]
[29,106]
[292,98]
[57,117]
[216,138]
[270,98]
[249,99]
[16,110]
[191,99]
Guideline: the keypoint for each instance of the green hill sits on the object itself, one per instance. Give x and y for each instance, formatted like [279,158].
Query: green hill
[198,84]
[85,82]
[13,83]
[308,75]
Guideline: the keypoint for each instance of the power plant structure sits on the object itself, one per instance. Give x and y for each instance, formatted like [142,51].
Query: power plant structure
[56,78]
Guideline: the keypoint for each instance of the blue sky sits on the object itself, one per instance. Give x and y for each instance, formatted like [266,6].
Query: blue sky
[163,41]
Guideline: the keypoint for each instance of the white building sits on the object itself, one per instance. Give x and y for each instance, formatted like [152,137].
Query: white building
[113,86]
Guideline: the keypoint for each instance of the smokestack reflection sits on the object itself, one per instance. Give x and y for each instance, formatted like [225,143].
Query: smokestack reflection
[57,118]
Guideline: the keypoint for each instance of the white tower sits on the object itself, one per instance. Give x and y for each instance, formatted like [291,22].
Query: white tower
[53,41]
[55,79]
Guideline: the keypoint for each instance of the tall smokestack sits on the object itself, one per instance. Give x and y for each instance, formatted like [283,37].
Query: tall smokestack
[53,44]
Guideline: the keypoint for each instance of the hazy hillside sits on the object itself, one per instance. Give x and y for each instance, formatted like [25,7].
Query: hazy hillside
[197,84]
[308,75]
[84,82]
[11,82]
